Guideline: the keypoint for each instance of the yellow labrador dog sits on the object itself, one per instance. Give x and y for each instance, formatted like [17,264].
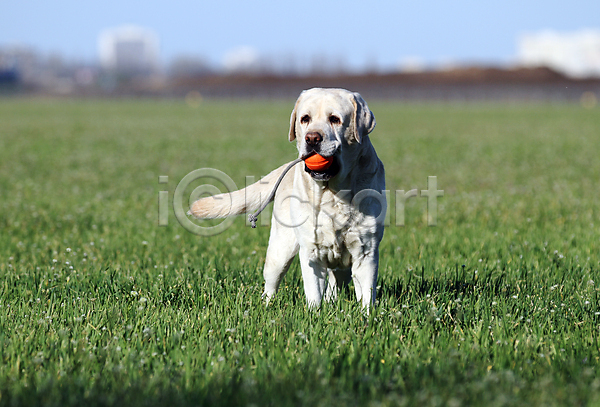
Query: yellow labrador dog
[334,218]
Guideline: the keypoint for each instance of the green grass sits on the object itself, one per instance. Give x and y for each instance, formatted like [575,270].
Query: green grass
[496,306]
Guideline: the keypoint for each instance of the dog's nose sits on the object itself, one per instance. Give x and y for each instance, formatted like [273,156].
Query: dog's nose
[313,138]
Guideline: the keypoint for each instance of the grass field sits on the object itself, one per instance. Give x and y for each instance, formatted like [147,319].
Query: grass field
[496,306]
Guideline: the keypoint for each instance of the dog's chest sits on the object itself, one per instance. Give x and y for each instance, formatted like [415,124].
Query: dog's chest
[341,232]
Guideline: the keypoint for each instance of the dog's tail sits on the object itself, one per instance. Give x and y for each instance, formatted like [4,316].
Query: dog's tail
[245,200]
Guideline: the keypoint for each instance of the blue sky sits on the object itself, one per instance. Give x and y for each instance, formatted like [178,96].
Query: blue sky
[362,33]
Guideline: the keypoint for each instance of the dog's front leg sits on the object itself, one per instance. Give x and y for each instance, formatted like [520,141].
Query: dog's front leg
[282,249]
[314,276]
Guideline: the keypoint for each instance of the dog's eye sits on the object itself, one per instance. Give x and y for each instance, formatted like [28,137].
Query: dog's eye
[334,120]
[305,119]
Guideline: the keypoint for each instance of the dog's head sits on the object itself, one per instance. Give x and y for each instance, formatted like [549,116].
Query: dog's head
[330,122]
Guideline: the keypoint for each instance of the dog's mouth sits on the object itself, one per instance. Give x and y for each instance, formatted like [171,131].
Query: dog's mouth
[325,174]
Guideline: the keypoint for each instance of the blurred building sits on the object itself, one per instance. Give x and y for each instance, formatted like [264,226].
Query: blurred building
[576,54]
[23,68]
[19,63]
[129,50]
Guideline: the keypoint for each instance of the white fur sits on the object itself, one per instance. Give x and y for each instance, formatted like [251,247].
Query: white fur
[337,239]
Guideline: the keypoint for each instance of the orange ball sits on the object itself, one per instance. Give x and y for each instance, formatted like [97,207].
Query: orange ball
[317,162]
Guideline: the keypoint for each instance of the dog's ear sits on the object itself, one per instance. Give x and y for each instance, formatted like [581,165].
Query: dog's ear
[293,119]
[363,120]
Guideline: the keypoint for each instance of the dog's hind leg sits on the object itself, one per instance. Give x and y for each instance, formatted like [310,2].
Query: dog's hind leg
[364,276]
[337,280]
[283,246]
